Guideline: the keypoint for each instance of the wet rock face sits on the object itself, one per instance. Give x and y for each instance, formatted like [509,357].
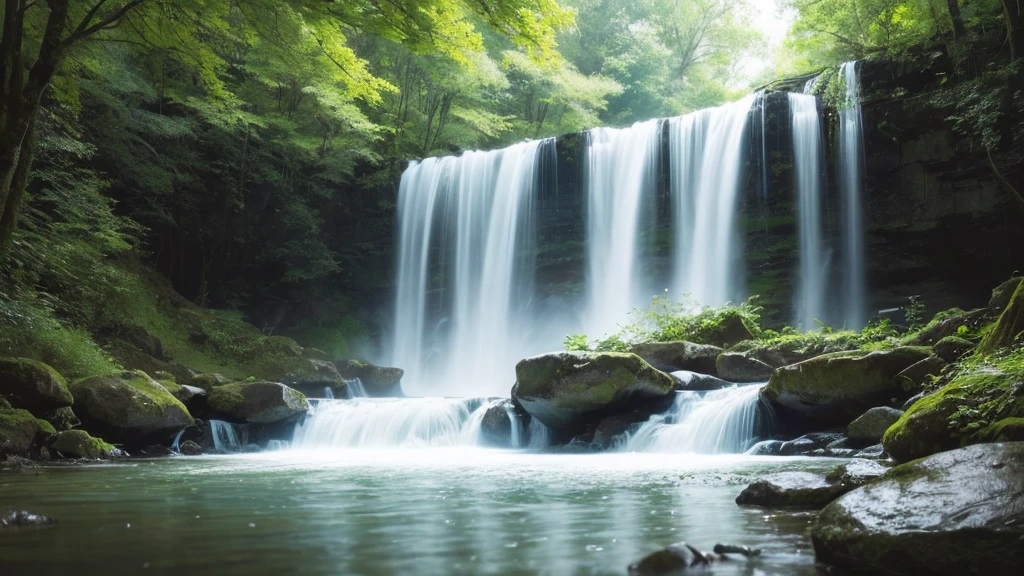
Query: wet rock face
[673,356]
[742,367]
[697,382]
[869,427]
[496,426]
[675,559]
[379,381]
[807,489]
[570,392]
[958,512]
[829,391]
[190,448]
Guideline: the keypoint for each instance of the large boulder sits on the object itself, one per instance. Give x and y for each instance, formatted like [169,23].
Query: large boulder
[572,391]
[831,390]
[129,408]
[742,367]
[21,432]
[958,512]
[952,348]
[33,385]
[673,356]
[972,408]
[870,426]
[79,444]
[300,373]
[257,402]
[378,381]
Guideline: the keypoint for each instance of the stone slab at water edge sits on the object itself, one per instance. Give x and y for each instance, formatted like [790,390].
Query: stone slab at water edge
[571,391]
[958,512]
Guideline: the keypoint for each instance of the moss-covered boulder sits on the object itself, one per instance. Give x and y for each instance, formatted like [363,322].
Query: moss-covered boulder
[297,372]
[949,323]
[79,444]
[831,390]
[32,385]
[129,408]
[962,412]
[952,348]
[742,367]
[959,512]
[378,381]
[208,380]
[21,432]
[673,356]
[257,402]
[1009,329]
[566,391]
[917,375]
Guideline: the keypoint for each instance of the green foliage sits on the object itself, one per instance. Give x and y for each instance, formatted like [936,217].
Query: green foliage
[667,320]
[876,336]
[913,310]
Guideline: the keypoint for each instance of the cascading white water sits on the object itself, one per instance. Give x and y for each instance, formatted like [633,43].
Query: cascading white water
[328,393]
[225,437]
[390,423]
[355,388]
[706,162]
[717,422]
[851,167]
[808,153]
[483,205]
[619,174]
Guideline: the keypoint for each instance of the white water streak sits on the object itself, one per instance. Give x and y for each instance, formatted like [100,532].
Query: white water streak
[717,422]
[706,162]
[851,165]
[808,155]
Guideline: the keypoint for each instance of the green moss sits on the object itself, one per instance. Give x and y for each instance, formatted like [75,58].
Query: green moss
[31,331]
[19,430]
[1009,329]
[1005,430]
[79,444]
[968,410]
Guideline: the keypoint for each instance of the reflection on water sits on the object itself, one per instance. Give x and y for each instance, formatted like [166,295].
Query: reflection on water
[429,511]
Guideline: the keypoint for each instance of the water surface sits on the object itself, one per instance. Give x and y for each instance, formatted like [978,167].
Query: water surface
[425,511]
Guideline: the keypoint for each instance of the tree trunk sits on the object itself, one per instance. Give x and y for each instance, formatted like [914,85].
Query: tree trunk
[16,190]
[1013,12]
[959,32]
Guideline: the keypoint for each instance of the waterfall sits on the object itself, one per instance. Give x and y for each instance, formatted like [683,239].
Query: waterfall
[809,163]
[706,162]
[482,204]
[328,393]
[717,422]
[391,423]
[619,173]
[225,437]
[851,172]
[355,388]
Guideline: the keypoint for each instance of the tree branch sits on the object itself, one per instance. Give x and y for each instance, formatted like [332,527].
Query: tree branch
[109,21]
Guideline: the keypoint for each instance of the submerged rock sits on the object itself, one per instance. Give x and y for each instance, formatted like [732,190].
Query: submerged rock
[32,385]
[257,402]
[11,519]
[675,559]
[566,391]
[833,389]
[673,356]
[809,442]
[190,448]
[130,408]
[870,426]
[766,448]
[496,426]
[791,490]
[958,512]
[79,444]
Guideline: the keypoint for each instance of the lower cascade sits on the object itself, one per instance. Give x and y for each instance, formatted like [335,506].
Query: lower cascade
[717,422]
[409,423]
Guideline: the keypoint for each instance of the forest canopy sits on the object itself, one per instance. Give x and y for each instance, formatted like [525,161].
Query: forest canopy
[250,151]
